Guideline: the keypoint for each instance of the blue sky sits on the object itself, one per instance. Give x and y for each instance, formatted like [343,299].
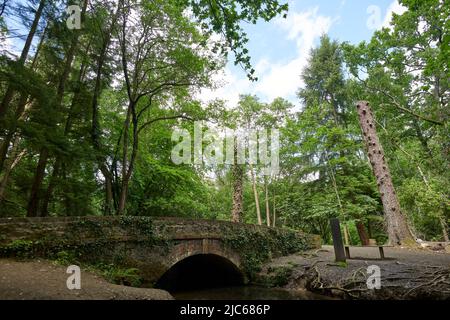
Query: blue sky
[280,48]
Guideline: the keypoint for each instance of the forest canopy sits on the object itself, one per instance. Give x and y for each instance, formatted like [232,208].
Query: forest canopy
[87,116]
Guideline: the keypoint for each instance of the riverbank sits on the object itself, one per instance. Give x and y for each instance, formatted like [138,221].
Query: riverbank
[44,280]
[405,273]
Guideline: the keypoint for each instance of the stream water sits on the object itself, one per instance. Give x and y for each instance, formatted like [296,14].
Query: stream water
[247,293]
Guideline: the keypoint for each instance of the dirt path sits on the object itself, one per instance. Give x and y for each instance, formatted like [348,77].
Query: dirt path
[405,273]
[41,279]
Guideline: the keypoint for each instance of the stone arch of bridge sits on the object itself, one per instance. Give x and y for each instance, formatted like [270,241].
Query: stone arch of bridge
[201,263]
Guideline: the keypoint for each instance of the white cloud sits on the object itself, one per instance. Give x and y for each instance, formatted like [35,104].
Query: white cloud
[394,7]
[277,78]
[8,47]
[283,79]
[230,88]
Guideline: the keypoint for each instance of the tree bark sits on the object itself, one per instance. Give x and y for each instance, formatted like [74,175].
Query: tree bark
[397,226]
[266,187]
[346,235]
[363,236]
[16,156]
[444,228]
[274,218]
[338,198]
[255,193]
[125,169]
[109,205]
[33,203]
[238,174]
[95,130]
[51,186]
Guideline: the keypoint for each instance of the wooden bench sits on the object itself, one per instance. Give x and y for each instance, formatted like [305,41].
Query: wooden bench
[380,248]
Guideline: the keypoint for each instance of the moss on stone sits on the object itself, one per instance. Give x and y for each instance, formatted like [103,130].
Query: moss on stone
[128,241]
[257,247]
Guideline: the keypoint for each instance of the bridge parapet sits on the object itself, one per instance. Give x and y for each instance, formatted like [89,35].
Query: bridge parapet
[152,245]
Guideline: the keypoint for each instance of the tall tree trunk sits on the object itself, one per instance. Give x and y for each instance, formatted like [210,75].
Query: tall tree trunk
[23,56]
[109,206]
[266,188]
[95,130]
[369,229]
[338,198]
[346,235]
[238,176]
[397,226]
[441,215]
[362,233]
[123,197]
[3,7]
[444,228]
[11,131]
[16,156]
[33,204]
[58,162]
[274,218]
[51,186]
[255,193]
[128,164]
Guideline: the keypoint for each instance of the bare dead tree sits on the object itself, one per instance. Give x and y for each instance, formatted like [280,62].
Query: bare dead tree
[397,226]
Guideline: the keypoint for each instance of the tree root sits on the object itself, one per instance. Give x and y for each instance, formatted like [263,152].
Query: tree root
[396,285]
[439,277]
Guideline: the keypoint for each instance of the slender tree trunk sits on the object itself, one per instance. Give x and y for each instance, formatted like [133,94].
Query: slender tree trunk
[11,131]
[441,216]
[108,189]
[346,235]
[3,7]
[425,180]
[51,186]
[338,198]
[16,156]
[95,130]
[274,218]
[266,188]
[57,165]
[33,203]
[238,175]
[362,233]
[125,168]
[444,228]
[40,172]
[397,226]
[123,197]
[369,229]
[23,56]
[255,193]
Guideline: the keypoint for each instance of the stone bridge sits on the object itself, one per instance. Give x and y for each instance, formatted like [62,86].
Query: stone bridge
[169,253]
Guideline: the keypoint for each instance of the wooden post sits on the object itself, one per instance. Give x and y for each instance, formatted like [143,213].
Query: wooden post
[381,252]
[337,240]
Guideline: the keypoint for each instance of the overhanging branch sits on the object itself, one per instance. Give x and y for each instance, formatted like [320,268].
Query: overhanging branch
[146,124]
